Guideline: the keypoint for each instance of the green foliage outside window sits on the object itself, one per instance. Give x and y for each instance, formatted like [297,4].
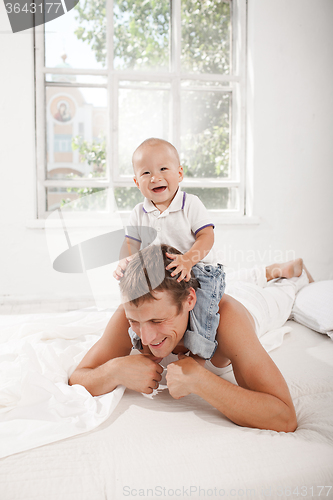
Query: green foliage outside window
[142,33]
[94,154]
[142,42]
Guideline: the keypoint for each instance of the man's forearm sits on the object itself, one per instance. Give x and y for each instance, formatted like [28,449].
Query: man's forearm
[97,381]
[242,406]
[141,373]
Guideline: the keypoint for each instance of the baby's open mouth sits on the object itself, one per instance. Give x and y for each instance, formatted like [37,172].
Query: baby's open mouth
[159,189]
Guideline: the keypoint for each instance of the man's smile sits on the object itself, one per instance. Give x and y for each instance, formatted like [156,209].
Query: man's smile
[158,343]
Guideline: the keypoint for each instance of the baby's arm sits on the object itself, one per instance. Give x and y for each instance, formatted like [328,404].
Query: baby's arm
[129,248]
[200,248]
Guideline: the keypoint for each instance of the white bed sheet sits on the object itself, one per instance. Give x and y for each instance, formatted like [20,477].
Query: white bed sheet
[37,353]
[157,447]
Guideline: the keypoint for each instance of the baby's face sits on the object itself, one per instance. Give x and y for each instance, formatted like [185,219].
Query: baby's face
[157,173]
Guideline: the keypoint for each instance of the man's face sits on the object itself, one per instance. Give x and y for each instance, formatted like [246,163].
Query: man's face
[158,323]
[157,173]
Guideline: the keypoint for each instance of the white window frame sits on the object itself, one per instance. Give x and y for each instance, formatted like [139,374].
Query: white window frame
[235,83]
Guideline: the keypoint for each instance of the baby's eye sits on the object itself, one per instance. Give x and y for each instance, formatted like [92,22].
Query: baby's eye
[145,173]
[164,168]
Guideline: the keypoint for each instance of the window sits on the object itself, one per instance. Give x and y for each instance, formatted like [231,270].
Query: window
[111,74]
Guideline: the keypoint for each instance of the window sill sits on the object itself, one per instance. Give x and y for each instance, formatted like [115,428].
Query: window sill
[237,220]
[219,219]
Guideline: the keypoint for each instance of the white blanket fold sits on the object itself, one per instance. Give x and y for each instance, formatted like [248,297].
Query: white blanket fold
[37,355]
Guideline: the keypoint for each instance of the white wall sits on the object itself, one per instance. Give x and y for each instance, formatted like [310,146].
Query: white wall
[290,135]
[289,151]
[25,268]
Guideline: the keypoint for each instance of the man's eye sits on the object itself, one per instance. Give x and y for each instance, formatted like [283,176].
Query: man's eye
[156,322]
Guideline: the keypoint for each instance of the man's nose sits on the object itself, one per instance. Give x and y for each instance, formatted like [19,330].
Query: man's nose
[147,334]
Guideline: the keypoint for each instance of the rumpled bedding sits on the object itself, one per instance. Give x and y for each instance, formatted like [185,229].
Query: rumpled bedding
[37,355]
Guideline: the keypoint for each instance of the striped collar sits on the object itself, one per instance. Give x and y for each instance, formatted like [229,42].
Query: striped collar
[177,203]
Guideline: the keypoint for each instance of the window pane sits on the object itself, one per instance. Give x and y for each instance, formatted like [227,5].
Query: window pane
[76,129]
[206,36]
[77,39]
[201,85]
[142,114]
[205,137]
[141,34]
[57,197]
[64,78]
[217,198]
[126,198]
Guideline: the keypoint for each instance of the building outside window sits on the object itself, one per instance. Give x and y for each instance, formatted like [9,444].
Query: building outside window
[111,74]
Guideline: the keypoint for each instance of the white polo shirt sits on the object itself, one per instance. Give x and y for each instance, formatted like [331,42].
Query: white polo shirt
[177,226]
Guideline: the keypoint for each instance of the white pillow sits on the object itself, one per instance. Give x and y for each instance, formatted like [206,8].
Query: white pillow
[313,307]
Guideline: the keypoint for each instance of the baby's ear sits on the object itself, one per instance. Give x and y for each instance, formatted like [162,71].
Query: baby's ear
[181,173]
[136,182]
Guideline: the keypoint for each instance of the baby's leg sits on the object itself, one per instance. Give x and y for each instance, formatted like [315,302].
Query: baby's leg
[204,318]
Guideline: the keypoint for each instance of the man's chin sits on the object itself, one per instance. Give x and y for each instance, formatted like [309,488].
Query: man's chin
[157,360]
[161,351]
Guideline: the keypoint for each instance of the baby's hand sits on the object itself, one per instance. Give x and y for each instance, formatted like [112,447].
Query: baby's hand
[182,264]
[122,264]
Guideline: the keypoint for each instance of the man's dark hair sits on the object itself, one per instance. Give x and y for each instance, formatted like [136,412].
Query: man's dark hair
[146,273]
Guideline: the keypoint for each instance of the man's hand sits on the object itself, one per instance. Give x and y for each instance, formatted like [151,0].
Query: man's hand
[139,372]
[198,359]
[181,376]
[122,264]
[182,264]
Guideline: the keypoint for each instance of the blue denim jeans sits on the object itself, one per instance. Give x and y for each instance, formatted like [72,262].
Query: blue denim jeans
[204,318]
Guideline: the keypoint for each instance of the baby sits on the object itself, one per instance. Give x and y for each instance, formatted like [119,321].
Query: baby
[181,221]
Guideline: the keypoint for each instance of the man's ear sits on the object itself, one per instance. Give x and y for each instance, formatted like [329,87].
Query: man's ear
[136,182]
[191,299]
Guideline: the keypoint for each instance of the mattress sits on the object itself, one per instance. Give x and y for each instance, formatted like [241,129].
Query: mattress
[157,447]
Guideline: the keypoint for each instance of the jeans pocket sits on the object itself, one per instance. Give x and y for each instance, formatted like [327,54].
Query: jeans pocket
[207,270]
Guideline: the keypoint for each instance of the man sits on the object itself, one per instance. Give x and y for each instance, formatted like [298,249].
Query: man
[158,309]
